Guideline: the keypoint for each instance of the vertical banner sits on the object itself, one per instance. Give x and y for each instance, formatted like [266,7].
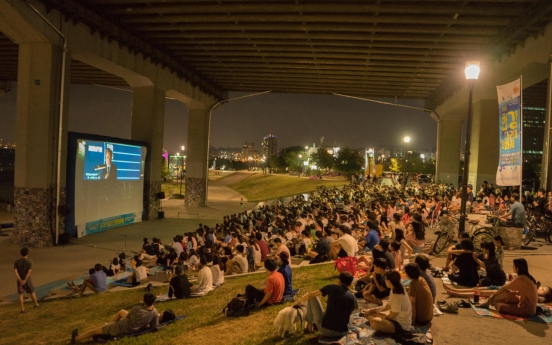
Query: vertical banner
[510,130]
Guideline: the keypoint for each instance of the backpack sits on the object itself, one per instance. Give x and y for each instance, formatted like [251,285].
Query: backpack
[346,264]
[237,307]
[168,315]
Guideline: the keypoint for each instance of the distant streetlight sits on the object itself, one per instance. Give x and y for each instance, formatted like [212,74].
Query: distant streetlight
[406,140]
[472,73]
[182,147]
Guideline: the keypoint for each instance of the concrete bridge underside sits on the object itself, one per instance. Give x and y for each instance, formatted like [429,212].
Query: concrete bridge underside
[197,51]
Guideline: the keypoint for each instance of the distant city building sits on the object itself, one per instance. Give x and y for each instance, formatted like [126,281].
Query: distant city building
[249,152]
[270,146]
[533,132]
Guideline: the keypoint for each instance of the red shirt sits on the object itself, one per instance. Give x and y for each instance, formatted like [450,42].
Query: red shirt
[275,284]
[264,249]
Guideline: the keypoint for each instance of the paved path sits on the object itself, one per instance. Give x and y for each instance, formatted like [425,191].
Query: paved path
[66,262]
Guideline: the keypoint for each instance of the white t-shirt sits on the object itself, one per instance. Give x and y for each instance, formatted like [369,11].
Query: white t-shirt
[242,261]
[205,279]
[349,244]
[141,273]
[218,276]
[400,304]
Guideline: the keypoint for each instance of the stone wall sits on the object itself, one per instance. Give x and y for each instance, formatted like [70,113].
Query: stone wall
[151,203]
[195,192]
[34,216]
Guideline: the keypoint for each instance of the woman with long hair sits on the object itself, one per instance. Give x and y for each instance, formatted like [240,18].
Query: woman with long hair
[399,318]
[518,298]
[494,275]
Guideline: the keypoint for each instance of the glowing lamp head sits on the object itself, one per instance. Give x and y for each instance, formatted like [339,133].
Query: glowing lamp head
[406,139]
[472,70]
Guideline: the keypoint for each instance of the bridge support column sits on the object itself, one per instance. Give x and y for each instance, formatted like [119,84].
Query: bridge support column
[148,119]
[484,143]
[449,137]
[37,128]
[199,121]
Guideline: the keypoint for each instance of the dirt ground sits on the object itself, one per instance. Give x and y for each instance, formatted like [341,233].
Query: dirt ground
[469,328]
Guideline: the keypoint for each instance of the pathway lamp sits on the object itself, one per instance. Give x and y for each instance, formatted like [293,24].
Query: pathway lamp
[472,73]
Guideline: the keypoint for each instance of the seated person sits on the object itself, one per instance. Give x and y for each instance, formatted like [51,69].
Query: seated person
[340,306]
[97,281]
[217,270]
[544,292]
[179,285]
[322,247]
[397,256]
[303,242]
[125,322]
[455,249]
[143,255]
[423,262]
[519,297]
[280,247]
[273,291]
[377,290]
[381,250]
[494,275]
[399,318]
[239,263]
[140,273]
[114,268]
[464,269]
[204,277]
[285,270]
[420,296]
[87,281]
[372,237]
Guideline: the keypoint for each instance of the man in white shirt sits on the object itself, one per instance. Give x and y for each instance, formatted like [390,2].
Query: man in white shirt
[204,278]
[140,273]
[281,247]
[346,241]
[239,263]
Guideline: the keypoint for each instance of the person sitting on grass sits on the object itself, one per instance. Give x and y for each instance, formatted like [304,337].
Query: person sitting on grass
[95,282]
[494,275]
[399,318]
[204,278]
[114,268]
[519,297]
[285,270]
[340,306]
[239,263]
[376,290]
[420,296]
[140,273]
[125,322]
[423,262]
[273,291]
[217,270]
[464,268]
[322,247]
[397,256]
[280,247]
[179,285]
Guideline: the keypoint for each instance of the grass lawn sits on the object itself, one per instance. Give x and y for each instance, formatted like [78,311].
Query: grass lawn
[166,186]
[53,322]
[259,187]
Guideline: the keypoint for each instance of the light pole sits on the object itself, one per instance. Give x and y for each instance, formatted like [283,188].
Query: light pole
[406,141]
[472,73]
[300,167]
[182,169]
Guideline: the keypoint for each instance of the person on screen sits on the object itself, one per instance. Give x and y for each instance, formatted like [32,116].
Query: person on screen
[110,171]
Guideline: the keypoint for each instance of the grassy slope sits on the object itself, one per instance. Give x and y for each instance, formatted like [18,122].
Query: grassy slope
[260,187]
[53,322]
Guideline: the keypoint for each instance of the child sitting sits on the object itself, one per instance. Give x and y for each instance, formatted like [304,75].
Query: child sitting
[397,256]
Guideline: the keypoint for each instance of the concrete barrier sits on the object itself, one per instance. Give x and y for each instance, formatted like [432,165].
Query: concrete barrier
[511,236]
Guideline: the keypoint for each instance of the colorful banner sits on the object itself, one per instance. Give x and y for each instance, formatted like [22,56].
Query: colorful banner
[510,127]
[108,223]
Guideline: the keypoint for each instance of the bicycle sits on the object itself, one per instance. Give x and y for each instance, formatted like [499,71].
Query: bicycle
[537,225]
[449,228]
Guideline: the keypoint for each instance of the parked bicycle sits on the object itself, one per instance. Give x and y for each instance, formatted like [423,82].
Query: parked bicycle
[537,225]
[448,230]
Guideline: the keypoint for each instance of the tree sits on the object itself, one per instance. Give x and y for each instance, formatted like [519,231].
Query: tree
[165,172]
[395,165]
[323,159]
[349,161]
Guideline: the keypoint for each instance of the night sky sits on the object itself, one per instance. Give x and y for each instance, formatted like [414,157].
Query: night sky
[295,118]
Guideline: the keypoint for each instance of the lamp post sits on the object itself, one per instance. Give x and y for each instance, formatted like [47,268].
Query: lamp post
[300,167]
[406,140]
[182,169]
[472,73]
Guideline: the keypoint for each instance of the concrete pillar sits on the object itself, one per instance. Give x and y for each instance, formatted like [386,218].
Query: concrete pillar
[484,143]
[148,119]
[199,121]
[546,172]
[449,140]
[37,116]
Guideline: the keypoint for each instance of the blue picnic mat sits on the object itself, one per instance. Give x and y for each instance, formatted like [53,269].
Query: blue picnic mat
[541,318]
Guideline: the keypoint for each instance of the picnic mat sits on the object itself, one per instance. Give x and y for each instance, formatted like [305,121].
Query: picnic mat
[360,333]
[541,318]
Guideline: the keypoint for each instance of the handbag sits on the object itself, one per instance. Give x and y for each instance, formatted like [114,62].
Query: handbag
[346,264]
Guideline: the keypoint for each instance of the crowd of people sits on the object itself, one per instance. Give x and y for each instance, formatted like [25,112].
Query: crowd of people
[381,226]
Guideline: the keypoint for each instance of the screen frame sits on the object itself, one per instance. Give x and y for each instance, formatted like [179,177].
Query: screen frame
[72,147]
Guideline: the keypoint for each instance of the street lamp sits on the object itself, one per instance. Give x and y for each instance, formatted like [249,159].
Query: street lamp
[406,141]
[422,156]
[472,73]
